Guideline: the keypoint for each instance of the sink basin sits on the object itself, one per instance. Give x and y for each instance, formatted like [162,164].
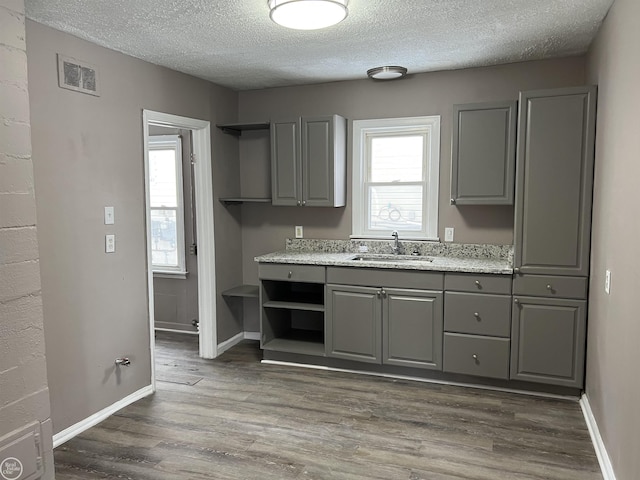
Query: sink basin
[390,258]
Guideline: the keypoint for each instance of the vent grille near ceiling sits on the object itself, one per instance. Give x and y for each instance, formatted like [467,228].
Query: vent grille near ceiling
[77,75]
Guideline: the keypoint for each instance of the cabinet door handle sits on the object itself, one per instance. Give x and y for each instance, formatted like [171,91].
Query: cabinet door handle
[549,287]
[477,315]
[516,270]
[299,203]
[478,283]
[384,294]
[290,274]
[304,202]
[453,201]
[516,301]
[475,357]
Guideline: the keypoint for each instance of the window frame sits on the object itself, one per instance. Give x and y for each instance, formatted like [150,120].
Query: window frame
[165,142]
[362,131]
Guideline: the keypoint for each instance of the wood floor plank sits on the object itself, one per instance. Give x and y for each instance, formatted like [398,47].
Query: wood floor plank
[244,420]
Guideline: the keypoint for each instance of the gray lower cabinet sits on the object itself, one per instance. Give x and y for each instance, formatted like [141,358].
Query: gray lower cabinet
[385,325]
[308,161]
[554,181]
[548,340]
[354,323]
[483,153]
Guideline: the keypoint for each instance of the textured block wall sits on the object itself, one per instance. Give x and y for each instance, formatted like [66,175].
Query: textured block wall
[24,396]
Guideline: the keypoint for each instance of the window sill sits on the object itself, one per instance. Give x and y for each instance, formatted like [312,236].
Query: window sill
[169,274]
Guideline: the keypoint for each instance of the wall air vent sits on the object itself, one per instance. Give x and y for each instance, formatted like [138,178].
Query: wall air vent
[78,75]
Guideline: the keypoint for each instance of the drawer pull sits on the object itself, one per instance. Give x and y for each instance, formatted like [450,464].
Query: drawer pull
[477,315]
[379,293]
[475,357]
[478,283]
[549,287]
[290,274]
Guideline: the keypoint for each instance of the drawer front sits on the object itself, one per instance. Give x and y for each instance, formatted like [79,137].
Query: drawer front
[475,355]
[372,277]
[478,283]
[292,273]
[550,286]
[477,314]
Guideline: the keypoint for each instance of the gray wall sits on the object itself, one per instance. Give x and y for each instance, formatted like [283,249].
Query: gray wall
[87,154]
[265,228]
[24,396]
[612,387]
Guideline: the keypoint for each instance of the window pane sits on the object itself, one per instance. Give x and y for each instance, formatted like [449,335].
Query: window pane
[164,238]
[397,158]
[395,207]
[162,178]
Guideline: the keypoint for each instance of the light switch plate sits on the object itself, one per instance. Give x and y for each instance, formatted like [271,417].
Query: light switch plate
[607,282]
[109,243]
[448,234]
[109,216]
[299,233]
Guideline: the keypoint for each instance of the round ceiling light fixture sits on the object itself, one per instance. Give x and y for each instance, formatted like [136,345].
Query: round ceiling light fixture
[308,14]
[386,73]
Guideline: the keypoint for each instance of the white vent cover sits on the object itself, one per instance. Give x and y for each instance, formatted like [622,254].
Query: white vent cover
[78,75]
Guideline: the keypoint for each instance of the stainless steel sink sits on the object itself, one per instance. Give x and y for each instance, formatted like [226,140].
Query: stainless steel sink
[382,258]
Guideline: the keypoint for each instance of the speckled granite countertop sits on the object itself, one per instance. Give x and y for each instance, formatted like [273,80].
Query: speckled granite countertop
[401,262]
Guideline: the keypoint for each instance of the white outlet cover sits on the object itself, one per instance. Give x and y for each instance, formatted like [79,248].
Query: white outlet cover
[448,234]
[109,243]
[607,282]
[299,231]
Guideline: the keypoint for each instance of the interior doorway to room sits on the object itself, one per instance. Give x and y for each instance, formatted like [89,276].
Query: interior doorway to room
[179,226]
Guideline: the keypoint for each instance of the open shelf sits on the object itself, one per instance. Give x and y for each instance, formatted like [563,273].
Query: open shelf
[240,200]
[246,291]
[298,341]
[309,307]
[236,129]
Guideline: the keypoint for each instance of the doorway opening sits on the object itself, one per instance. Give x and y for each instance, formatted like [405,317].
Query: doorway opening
[179,238]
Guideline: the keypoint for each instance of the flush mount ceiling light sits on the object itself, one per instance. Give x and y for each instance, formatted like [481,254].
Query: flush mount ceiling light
[308,14]
[386,73]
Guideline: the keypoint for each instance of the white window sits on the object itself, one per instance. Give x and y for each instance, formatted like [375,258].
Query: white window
[166,206]
[396,165]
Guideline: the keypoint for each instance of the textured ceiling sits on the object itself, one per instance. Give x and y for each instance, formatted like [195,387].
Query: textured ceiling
[234,43]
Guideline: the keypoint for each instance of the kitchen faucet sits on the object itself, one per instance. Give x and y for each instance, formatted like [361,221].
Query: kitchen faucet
[396,245]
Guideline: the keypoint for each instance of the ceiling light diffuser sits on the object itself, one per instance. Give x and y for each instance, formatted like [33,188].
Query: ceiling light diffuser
[387,73]
[308,14]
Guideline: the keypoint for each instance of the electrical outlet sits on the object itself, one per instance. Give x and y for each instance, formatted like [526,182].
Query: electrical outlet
[299,231]
[448,234]
[363,248]
[109,216]
[110,243]
[607,282]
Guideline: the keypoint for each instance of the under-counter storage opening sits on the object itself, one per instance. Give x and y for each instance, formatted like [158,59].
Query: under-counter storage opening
[293,317]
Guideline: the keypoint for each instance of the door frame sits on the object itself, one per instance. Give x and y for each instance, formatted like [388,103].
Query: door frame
[203,181]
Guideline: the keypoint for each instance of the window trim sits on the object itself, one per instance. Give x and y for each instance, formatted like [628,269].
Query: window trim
[161,142]
[361,130]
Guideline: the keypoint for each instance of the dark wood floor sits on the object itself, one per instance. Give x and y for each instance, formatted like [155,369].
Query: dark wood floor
[234,418]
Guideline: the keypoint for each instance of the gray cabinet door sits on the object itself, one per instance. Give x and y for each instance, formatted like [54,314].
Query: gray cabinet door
[412,328]
[285,163]
[548,341]
[483,153]
[323,161]
[354,323]
[554,181]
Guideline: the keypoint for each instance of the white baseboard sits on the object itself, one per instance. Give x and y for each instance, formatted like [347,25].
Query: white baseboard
[227,344]
[174,330]
[252,336]
[76,429]
[596,438]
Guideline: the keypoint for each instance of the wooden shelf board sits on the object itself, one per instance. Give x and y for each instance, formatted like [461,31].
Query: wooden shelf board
[292,345]
[240,200]
[247,291]
[311,307]
[236,129]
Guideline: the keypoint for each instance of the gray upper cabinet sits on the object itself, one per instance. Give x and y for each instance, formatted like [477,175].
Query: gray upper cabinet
[554,181]
[308,161]
[483,153]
